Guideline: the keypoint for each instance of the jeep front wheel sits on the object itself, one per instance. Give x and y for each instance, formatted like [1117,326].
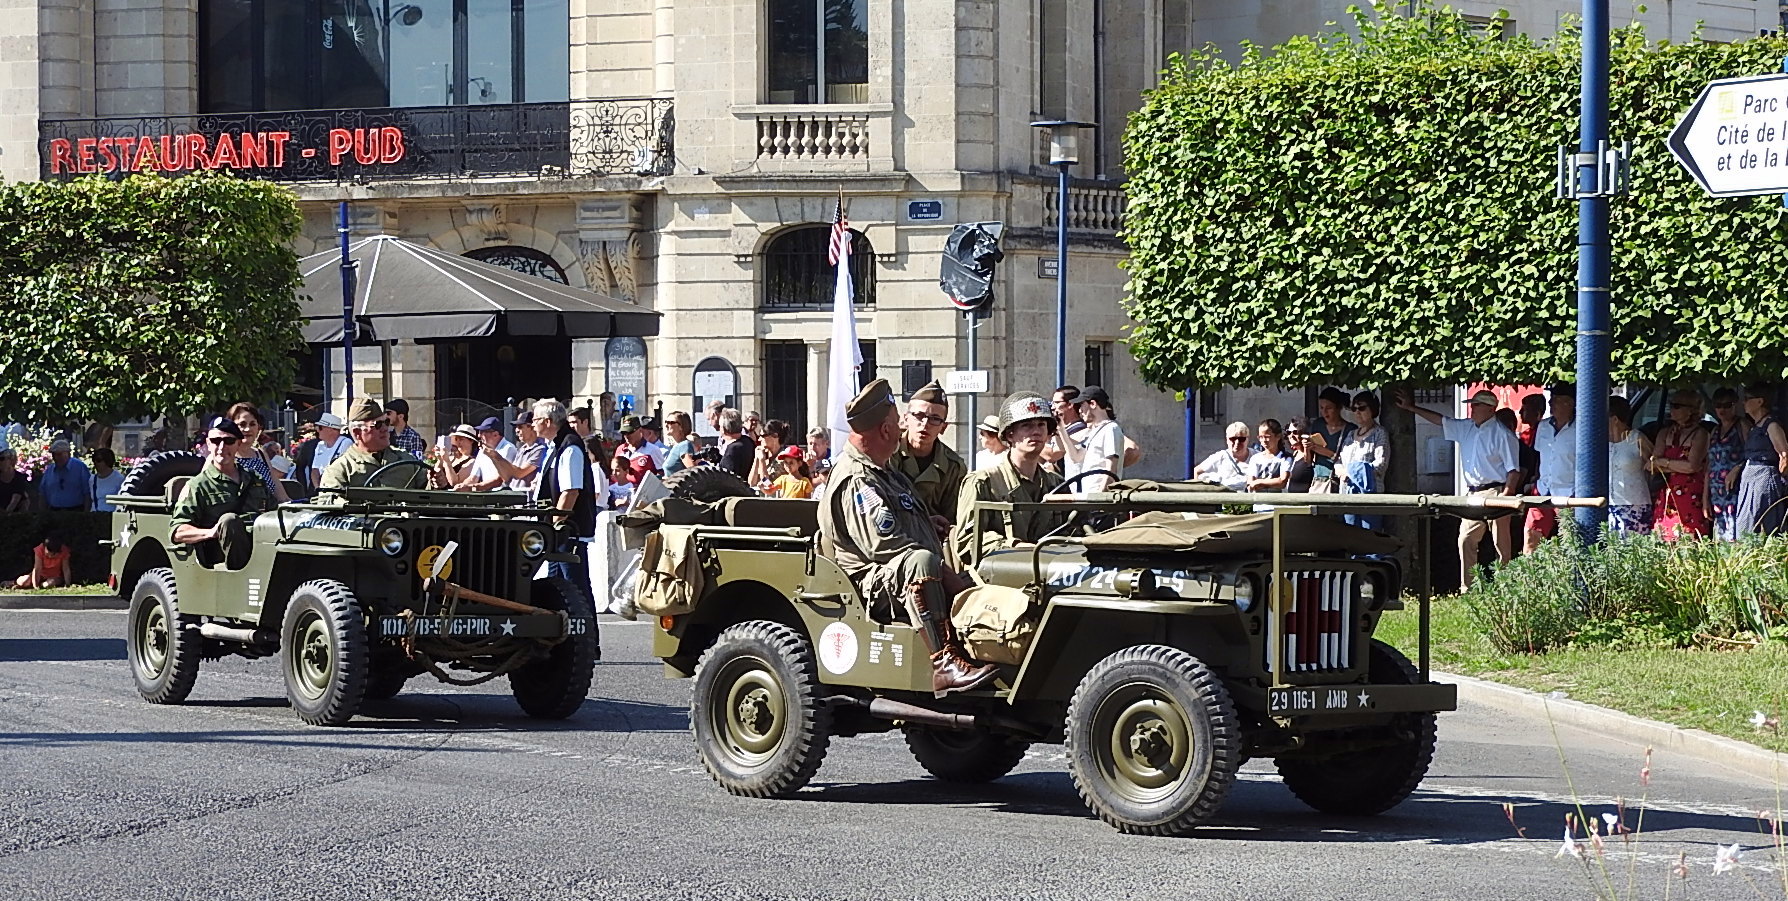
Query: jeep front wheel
[759,722]
[1376,777]
[164,644]
[323,646]
[1153,740]
[554,686]
[964,756]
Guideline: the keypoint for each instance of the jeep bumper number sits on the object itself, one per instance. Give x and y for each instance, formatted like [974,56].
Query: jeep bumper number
[1323,699]
[517,626]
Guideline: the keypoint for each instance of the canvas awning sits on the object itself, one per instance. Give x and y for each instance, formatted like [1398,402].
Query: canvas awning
[408,290]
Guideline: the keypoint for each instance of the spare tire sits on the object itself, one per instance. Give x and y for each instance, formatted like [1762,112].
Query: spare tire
[151,474]
[706,484]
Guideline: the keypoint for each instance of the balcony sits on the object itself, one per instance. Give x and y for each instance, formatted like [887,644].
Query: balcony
[556,140]
[1091,207]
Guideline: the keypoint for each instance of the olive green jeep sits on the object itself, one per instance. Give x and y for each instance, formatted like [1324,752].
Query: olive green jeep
[355,596]
[1163,651]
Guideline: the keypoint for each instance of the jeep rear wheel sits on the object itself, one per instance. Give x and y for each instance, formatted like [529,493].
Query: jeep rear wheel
[1153,741]
[1372,780]
[554,686]
[964,756]
[385,684]
[163,643]
[323,649]
[759,723]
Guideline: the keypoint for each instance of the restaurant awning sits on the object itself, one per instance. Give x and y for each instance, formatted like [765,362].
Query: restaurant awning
[408,290]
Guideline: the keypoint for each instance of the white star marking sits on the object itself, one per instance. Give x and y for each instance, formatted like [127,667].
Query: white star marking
[508,627]
[1365,699]
[124,538]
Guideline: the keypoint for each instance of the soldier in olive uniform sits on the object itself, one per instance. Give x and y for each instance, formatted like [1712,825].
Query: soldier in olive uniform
[882,536]
[372,450]
[934,469]
[214,510]
[1025,425]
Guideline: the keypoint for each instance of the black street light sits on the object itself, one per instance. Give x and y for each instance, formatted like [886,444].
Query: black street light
[1064,152]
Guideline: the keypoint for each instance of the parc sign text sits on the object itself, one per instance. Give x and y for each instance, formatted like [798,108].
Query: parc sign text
[255,152]
[1734,139]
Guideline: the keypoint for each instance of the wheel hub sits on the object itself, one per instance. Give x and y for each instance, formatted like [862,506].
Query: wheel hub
[1150,741]
[754,710]
[1148,745]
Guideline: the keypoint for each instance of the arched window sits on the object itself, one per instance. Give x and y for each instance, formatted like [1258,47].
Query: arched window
[797,275]
[522,259]
[818,51]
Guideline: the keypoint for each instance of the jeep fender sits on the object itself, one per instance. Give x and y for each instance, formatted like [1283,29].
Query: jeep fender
[1077,632]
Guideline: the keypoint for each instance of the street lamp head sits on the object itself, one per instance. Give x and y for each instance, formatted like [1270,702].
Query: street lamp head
[1064,140]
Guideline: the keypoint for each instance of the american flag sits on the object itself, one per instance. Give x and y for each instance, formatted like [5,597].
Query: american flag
[840,247]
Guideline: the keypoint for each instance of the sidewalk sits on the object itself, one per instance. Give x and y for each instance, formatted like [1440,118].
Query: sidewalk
[38,601]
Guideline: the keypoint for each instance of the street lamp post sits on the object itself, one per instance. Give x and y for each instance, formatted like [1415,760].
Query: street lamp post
[1064,152]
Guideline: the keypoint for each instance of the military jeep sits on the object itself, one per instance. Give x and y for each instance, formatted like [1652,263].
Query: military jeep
[354,595]
[1166,651]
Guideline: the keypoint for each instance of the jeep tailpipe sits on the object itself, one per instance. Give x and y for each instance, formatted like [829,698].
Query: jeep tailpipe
[884,708]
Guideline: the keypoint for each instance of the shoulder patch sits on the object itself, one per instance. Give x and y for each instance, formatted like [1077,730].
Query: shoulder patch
[870,504]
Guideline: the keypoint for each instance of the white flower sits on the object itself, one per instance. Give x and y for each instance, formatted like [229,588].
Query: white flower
[1571,845]
[1726,858]
[1759,720]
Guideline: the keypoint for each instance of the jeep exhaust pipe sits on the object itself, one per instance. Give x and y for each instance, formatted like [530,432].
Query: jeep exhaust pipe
[239,636]
[886,709]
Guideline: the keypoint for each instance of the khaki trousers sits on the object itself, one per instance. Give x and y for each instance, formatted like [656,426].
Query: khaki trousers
[1471,534]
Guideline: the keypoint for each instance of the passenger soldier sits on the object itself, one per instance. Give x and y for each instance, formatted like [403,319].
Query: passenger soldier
[882,536]
[935,470]
[1016,475]
[214,511]
[371,452]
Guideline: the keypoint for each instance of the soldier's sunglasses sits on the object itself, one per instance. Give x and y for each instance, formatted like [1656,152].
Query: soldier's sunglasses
[225,441]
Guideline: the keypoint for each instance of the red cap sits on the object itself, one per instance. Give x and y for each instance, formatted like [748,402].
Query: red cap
[793,450]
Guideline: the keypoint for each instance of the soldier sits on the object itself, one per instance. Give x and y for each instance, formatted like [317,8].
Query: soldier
[934,469]
[1025,425]
[371,451]
[883,538]
[214,511]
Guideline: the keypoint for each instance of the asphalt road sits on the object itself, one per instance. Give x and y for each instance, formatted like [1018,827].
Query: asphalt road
[453,794]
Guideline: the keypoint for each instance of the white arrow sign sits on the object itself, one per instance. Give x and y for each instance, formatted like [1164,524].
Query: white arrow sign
[1734,140]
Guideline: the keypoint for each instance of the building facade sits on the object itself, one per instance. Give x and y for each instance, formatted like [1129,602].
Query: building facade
[686,155]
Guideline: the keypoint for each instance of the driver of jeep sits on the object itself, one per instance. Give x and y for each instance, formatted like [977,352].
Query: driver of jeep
[216,507]
[1025,425]
[371,452]
[881,535]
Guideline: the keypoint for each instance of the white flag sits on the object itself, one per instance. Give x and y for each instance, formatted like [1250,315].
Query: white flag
[847,354]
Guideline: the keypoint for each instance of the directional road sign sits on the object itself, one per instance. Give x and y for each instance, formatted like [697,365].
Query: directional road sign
[1734,140]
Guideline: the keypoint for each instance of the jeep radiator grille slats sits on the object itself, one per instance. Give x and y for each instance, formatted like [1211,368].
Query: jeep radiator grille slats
[486,560]
[1315,630]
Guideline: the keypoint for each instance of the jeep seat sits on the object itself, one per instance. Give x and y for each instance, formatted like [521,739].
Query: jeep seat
[170,494]
[772,513]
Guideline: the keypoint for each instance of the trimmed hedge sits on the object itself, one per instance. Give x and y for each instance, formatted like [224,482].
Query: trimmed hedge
[1379,209]
[20,532]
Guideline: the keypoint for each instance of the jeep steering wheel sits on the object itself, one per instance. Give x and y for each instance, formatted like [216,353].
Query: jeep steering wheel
[1082,520]
[1067,483]
[372,481]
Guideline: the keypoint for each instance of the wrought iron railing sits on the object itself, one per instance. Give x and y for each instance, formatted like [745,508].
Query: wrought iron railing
[591,137]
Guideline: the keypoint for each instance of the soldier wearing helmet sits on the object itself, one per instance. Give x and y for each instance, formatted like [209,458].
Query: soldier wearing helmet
[1025,425]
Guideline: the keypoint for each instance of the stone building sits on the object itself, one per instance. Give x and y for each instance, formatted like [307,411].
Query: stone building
[688,156]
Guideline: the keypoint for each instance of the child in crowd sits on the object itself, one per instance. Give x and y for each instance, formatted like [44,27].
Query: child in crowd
[105,479]
[620,485]
[796,480]
[49,564]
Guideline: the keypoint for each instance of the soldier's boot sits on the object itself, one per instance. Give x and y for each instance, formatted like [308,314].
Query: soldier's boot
[951,668]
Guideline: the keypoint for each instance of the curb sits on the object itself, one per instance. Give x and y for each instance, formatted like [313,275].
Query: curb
[1707,747]
[62,602]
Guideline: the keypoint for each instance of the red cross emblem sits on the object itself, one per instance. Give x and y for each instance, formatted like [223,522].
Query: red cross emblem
[1310,621]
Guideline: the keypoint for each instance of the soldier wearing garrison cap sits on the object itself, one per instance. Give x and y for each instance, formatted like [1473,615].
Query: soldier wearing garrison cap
[880,533]
[936,471]
[372,451]
[1025,424]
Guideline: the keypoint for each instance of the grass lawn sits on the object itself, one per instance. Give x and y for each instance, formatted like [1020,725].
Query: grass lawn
[8,591]
[1715,690]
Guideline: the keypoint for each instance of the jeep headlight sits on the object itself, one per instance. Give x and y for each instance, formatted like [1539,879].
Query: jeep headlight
[391,541]
[1244,594]
[1369,590]
[533,543]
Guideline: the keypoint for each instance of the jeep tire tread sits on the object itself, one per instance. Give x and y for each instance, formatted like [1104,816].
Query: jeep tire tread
[151,474]
[1153,741]
[163,644]
[554,687]
[964,756]
[706,484]
[760,725]
[1367,782]
[323,650]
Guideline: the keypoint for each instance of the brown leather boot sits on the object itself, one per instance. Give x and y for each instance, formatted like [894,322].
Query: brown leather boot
[951,669]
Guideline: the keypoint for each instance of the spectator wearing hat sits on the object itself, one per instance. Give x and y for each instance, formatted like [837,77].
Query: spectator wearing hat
[521,469]
[63,485]
[632,439]
[1555,439]
[15,489]
[215,509]
[331,443]
[1098,449]
[1490,460]
[794,480]
[988,432]
[456,470]
[403,437]
[370,451]
[487,473]
[935,470]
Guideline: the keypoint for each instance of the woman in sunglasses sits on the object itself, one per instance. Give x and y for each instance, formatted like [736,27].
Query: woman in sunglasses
[1360,460]
[1725,458]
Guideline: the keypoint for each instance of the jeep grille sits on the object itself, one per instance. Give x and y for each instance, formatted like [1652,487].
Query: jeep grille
[1316,632]
[487,559]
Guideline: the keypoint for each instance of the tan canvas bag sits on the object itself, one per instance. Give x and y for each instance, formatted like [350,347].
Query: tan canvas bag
[996,623]
[670,573]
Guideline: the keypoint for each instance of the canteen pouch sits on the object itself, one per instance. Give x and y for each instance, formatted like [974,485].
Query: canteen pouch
[670,573]
[995,624]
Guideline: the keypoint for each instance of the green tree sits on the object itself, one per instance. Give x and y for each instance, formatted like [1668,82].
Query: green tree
[1378,207]
[146,295]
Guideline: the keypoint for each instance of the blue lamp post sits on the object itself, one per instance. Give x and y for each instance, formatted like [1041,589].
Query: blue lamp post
[1064,152]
